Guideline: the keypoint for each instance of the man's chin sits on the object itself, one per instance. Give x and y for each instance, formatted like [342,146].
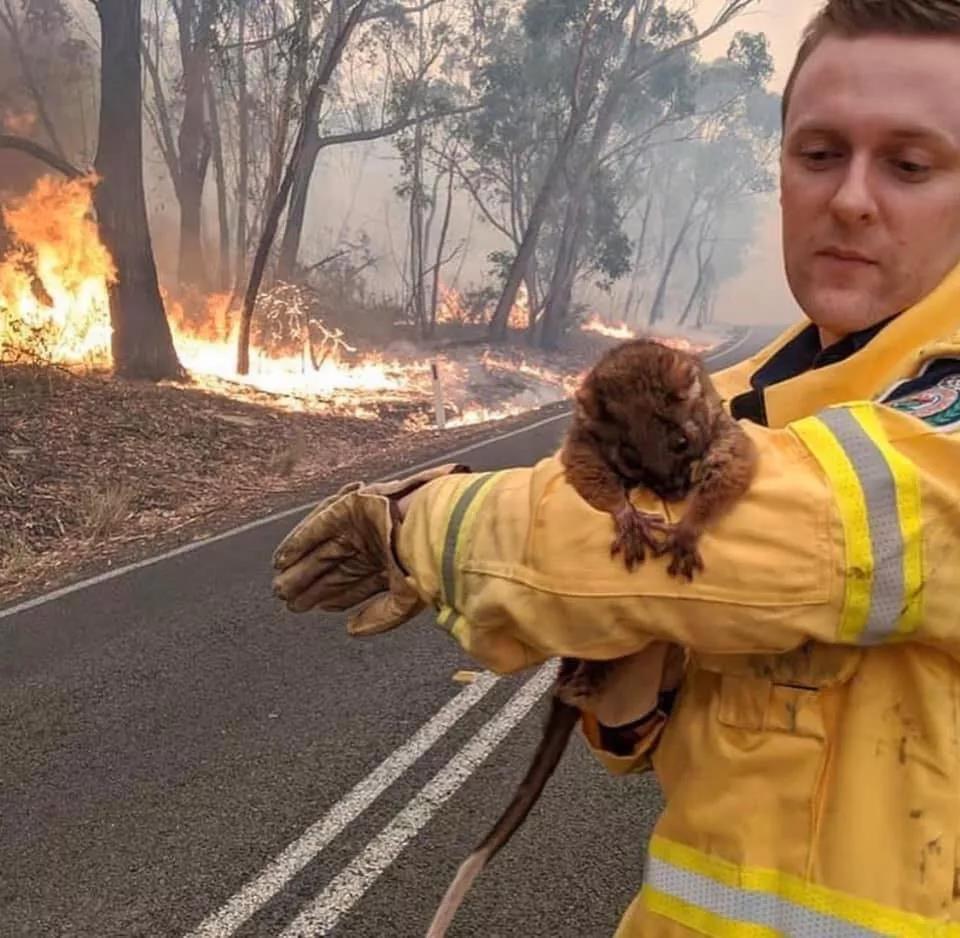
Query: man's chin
[841,311]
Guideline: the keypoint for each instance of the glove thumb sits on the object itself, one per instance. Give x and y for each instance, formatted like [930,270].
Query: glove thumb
[385,612]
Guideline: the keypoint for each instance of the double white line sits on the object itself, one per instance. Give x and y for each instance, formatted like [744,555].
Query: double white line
[349,885]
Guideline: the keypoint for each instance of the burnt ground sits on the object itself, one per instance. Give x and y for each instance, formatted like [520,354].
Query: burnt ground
[95,471]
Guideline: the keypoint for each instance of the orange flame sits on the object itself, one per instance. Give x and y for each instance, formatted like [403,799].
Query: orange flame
[54,300]
[451,308]
[54,307]
[293,353]
[612,330]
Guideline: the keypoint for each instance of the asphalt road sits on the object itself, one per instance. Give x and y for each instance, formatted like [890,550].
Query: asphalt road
[177,751]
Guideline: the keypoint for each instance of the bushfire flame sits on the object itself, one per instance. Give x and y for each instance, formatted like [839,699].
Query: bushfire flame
[612,330]
[54,278]
[55,275]
[206,342]
[452,307]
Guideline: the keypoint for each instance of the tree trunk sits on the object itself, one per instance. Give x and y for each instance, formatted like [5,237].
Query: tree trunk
[634,294]
[528,244]
[565,270]
[8,18]
[193,146]
[568,254]
[295,72]
[243,144]
[708,295]
[694,293]
[417,241]
[441,243]
[297,213]
[656,308]
[223,221]
[533,301]
[701,273]
[142,344]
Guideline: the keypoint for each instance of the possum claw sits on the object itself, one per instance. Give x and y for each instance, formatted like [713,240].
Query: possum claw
[635,533]
[681,545]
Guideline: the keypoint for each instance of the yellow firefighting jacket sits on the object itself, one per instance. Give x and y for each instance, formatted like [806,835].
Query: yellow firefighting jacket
[811,764]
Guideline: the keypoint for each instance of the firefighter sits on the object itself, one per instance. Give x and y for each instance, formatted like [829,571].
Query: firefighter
[808,742]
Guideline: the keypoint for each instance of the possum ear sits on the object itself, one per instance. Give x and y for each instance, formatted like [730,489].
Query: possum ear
[586,402]
[683,377]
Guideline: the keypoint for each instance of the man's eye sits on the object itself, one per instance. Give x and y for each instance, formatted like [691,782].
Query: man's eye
[910,169]
[818,157]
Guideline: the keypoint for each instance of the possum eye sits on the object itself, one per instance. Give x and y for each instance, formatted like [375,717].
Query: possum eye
[679,443]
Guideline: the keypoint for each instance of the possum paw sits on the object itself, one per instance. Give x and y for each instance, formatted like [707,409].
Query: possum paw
[636,531]
[681,545]
[580,682]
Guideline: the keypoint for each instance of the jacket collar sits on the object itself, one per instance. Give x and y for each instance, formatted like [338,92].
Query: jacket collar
[795,378]
[803,352]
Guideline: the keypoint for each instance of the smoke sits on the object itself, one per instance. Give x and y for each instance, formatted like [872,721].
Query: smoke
[48,89]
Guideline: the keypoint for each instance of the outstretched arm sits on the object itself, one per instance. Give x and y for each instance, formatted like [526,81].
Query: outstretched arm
[837,540]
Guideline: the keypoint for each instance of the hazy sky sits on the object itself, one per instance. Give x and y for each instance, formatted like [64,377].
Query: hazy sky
[782,21]
[761,293]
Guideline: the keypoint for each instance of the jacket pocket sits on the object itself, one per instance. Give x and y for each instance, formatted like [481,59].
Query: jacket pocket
[780,693]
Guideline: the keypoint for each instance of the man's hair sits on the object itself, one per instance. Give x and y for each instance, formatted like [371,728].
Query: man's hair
[853,19]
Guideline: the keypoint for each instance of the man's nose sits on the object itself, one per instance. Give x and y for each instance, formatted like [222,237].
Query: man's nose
[853,203]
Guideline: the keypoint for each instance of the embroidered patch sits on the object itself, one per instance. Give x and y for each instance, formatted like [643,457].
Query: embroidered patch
[937,405]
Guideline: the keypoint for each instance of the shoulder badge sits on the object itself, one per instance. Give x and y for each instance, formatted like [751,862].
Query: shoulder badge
[938,404]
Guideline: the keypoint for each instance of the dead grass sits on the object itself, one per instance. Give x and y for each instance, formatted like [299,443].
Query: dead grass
[288,457]
[15,554]
[101,512]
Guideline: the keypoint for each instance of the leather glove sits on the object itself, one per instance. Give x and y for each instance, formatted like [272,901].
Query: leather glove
[635,685]
[342,555]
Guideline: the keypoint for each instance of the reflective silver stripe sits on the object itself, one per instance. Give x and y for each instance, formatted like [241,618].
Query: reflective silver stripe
[743,905]
[887,598]
[447,570]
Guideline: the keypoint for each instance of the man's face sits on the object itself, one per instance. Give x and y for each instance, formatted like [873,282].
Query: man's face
[870,178]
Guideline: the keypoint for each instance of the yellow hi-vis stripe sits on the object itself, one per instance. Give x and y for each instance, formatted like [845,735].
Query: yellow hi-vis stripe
[719,898]
[907,483]
[459,524]
[877,491]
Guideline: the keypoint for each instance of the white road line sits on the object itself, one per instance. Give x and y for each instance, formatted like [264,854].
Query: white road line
[258,892]
[249,526]
[346,889]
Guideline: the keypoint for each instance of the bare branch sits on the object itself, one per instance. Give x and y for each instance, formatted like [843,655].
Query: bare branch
[163,127]
[39,152]
[474,192]
[399,9]
[9,19]
[388,130]
[730,10]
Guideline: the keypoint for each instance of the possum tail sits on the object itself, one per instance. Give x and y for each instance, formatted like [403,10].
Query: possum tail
[556,734]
